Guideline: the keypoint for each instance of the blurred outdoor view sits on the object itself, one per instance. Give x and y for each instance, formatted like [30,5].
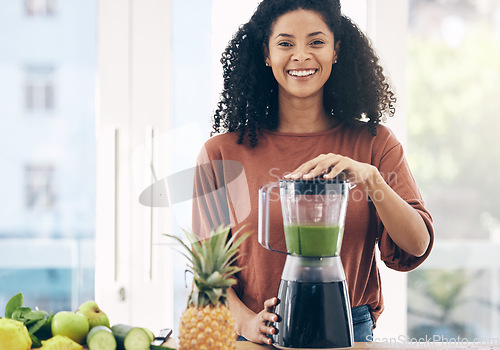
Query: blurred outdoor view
[453,80]
[48,67]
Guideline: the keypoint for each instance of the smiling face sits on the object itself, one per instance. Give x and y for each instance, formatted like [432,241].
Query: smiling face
[301,51]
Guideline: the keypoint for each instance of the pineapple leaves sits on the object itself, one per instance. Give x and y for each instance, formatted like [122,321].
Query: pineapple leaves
[191,257]
[215,278]
[213,264]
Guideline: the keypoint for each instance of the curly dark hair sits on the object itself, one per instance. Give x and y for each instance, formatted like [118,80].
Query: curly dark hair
[357,92]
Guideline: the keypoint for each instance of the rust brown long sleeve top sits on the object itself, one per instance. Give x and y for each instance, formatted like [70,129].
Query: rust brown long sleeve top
[226,189]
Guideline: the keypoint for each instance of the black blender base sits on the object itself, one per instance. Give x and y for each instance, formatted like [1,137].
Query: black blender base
[313,316]
[288,348]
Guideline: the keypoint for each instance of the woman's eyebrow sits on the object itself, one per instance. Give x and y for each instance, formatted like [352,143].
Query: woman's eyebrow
[316,33]
[284,35]
[291,36]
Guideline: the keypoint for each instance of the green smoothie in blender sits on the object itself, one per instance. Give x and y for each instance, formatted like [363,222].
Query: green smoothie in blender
[308,240]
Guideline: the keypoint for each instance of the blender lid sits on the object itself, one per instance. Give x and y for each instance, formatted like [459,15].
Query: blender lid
[317,186]
[340,178]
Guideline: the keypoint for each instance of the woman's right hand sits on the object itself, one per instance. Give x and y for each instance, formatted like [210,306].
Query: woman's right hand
[256,327]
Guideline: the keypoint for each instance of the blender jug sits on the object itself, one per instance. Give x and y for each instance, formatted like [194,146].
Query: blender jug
[313,215]
[314,309]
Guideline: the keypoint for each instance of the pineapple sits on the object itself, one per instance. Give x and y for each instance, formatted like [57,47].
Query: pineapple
[14,335]
[207,323]
[60,342]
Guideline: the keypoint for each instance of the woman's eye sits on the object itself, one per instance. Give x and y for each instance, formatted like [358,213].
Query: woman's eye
[284,44]
[317,42]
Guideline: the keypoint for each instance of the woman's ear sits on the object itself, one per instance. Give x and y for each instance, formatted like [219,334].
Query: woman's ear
[336,52]
[265,52]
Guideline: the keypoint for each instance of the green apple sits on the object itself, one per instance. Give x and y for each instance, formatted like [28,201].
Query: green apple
[94,315]
[70,324]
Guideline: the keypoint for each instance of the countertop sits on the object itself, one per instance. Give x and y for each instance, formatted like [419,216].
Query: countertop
[492,344]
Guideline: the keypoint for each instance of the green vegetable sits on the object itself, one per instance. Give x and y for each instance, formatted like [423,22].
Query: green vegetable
[45,332]
[101,338]
[130,338]
[15,302]
[150,334]
[36,321]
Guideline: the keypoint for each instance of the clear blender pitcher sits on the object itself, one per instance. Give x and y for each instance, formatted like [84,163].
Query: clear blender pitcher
[314,309]
[313,215]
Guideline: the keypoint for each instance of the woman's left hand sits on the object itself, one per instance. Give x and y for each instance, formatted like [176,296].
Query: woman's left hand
[331,164]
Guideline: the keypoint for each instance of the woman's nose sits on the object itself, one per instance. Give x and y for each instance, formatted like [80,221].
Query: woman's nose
[301,55]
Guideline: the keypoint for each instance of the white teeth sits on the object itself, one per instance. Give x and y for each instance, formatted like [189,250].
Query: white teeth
[302,73]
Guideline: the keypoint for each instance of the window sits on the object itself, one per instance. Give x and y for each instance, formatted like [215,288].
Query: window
[39,89]
[40,7]
[40,191]
[452,77]
[47,226]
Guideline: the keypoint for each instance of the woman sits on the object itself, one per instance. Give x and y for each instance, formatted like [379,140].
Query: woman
[303,97]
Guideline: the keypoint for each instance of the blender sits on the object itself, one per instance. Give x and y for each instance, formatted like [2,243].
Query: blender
[313,302]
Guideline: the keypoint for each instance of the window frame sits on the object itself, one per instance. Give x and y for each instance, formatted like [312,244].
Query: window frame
[39,89]
[386,26]
[40,191]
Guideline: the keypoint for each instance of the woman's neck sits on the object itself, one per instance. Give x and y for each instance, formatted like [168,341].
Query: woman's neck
[303,116]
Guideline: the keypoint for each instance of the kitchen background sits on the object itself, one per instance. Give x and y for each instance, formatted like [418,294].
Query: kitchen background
[53,134]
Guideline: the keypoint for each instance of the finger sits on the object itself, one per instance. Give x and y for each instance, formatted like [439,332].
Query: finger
[267,330]
[289,175]
[269,303]
[266,340]
[334,171]
[324,167]
[308,171]
[296,174]
[305,168]
[315,172]
[342,164]
[269,317]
